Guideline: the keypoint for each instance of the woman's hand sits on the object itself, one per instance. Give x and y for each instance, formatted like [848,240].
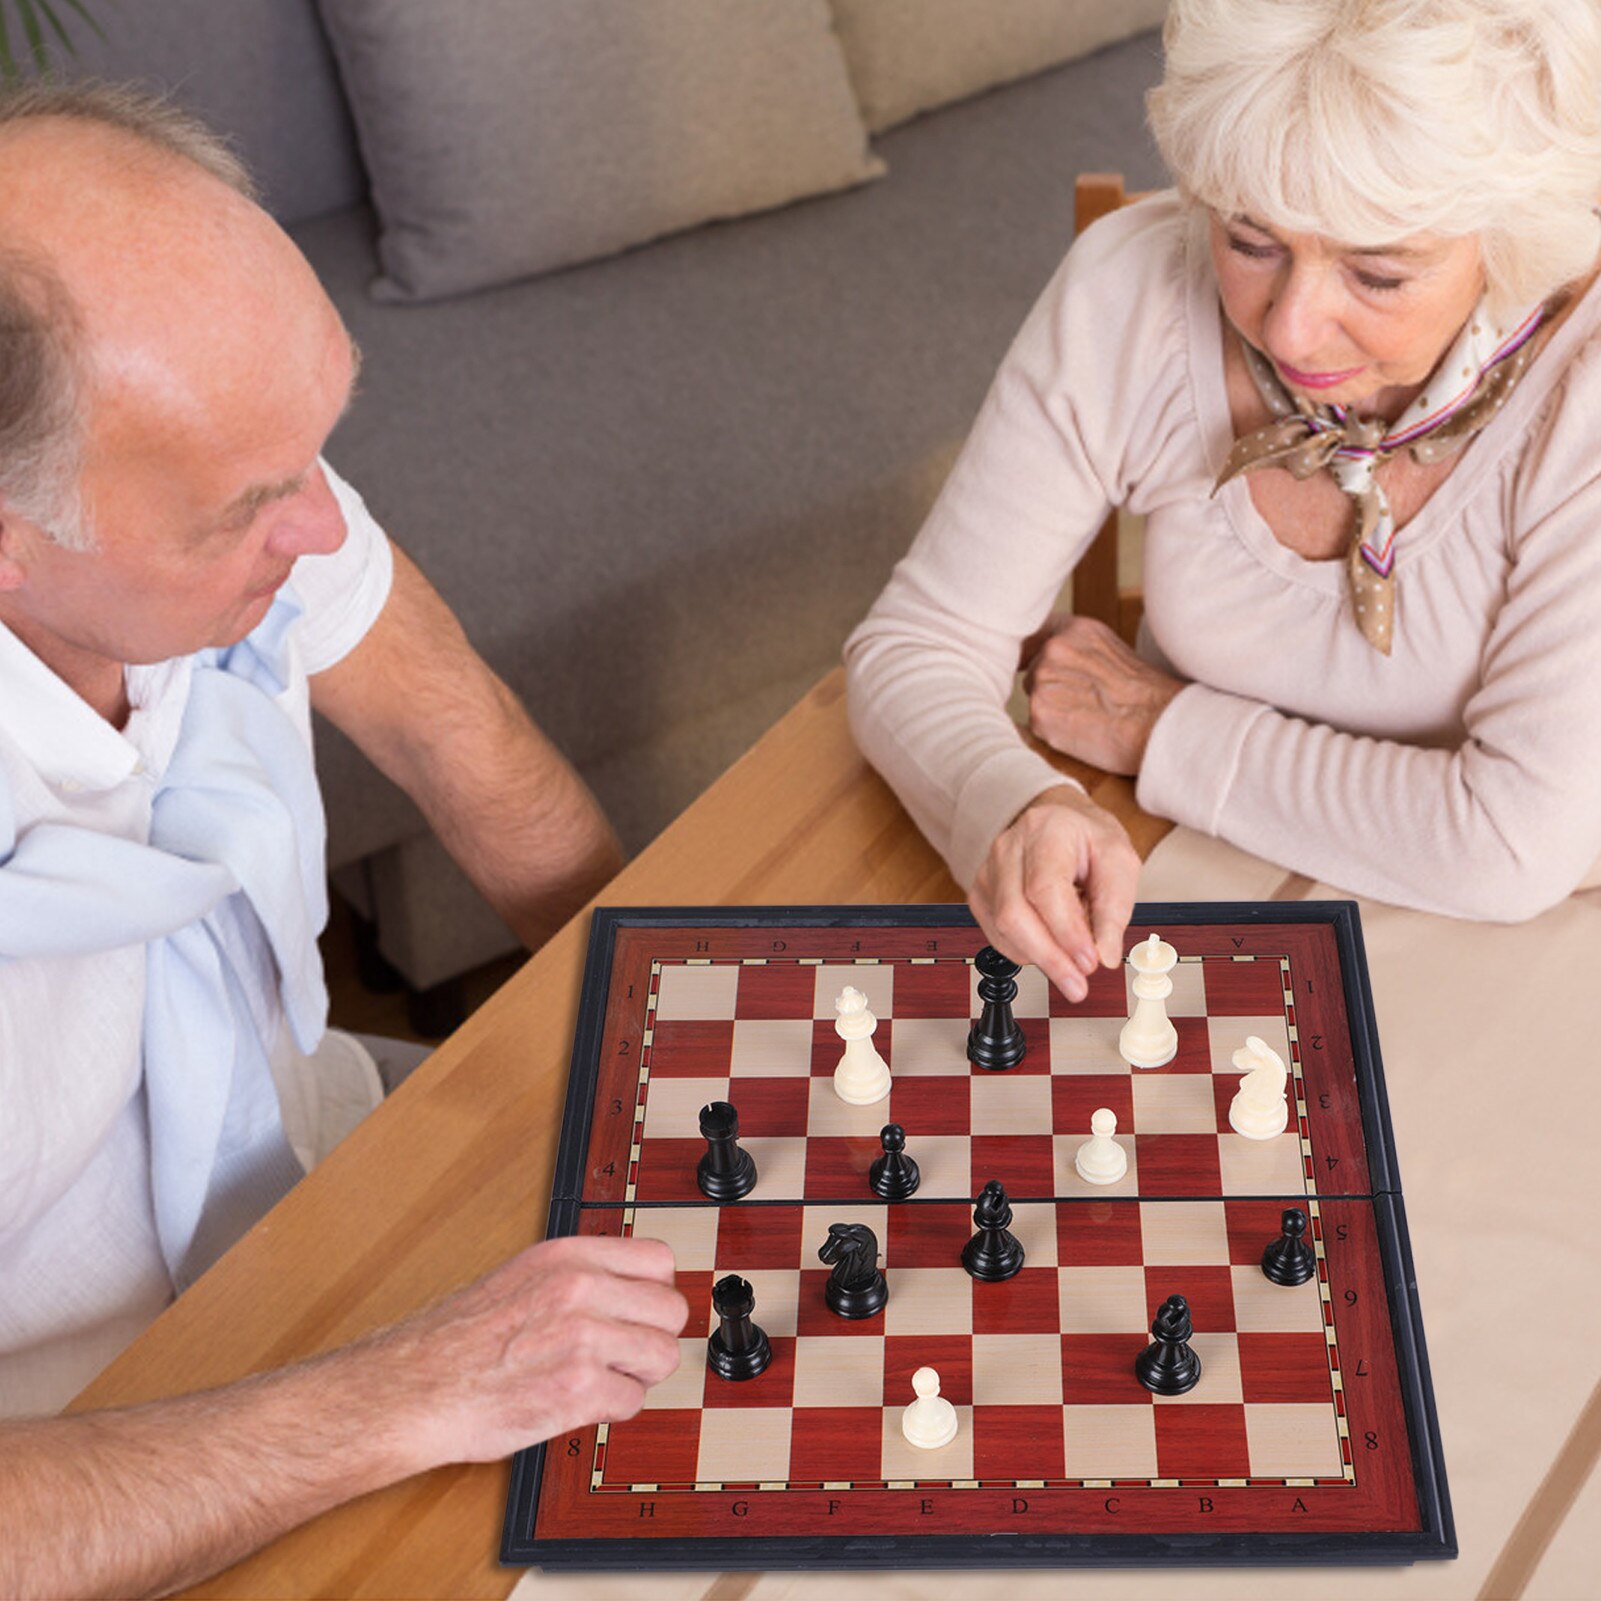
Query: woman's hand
[1057,888]
[1090,696]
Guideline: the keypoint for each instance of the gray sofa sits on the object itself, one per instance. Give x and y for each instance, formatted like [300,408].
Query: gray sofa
[658,488]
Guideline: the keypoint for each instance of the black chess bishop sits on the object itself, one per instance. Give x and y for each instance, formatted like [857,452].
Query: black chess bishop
[1167,1366]
[994,1252]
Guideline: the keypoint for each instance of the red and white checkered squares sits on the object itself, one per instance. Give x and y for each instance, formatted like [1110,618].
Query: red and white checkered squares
[760,1033]
[1039,1367]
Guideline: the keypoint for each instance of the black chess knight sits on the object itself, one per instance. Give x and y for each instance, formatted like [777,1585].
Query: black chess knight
[856,1287]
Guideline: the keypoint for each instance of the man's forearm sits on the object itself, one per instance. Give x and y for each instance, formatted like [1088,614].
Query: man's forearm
[516,818]
[144,1501]
[429,712]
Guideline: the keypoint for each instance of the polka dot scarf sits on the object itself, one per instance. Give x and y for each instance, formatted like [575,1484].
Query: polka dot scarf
[1467,389]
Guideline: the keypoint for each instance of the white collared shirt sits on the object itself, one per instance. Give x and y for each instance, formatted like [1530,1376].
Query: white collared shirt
[81,1271]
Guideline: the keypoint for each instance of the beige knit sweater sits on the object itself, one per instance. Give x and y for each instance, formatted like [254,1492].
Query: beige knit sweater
[1462,774]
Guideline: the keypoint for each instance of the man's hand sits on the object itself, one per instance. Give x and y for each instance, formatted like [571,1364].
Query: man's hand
[1090,696]
[1057,888]
[570,1332]
[147,1499]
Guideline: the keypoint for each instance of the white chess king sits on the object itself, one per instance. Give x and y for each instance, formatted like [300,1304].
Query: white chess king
[1149,1038]
[930,1421]
[1260,1108]
[862,1076]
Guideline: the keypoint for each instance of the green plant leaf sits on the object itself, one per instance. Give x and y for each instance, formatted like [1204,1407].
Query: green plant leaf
[34,34]
[88,16]
[48,13]
[8,62]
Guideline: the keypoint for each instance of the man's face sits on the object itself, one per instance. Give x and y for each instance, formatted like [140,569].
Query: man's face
[1341,326]
[201,497]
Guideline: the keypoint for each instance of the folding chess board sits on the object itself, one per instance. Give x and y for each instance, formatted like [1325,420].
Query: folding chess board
[1311,1436]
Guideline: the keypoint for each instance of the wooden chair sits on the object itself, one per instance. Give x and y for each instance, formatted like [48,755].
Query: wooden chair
[1097,591]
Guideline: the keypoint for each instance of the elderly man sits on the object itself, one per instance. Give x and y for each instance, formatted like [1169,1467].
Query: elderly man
[180,574]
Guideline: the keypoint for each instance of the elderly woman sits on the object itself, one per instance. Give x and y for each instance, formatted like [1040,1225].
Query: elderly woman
[1350,373]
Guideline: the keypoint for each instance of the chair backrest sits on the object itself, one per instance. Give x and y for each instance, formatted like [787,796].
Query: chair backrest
[1097,591]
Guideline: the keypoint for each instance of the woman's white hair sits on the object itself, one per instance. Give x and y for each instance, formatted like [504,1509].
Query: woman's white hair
[1366,121]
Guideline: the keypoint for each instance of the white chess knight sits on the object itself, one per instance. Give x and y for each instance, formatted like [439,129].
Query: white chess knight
[862,1076]
[1149,1038]
[930,1421]
[1260,1108]
[1100,1159]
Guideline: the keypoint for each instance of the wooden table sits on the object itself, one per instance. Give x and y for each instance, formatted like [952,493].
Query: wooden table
[452,1175]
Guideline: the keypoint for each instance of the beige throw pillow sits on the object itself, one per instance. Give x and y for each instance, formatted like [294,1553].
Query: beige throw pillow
[908,56]
[508,137]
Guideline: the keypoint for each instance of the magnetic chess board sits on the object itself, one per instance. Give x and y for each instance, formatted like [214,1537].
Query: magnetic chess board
[1311,1435]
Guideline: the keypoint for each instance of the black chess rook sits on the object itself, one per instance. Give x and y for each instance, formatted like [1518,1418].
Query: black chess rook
[738,1349]
[995,1041]
[725,1172]
[1290,1259]
[894,1176]
[994,1252]
[1168,1366]
[856,1288]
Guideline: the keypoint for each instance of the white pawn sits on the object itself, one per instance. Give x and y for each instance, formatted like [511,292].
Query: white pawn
[1149,1038]
[1100,1159]
[862,1076]
[1260,1108]
[930,1421]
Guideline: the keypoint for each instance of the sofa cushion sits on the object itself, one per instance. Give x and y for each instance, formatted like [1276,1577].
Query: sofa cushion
[908,56]
[505,139]
[258,70]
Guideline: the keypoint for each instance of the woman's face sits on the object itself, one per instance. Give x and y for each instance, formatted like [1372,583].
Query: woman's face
[1343,326]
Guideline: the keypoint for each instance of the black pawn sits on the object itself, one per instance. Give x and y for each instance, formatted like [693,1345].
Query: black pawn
[994,1252]
[1289,1259]
[725,1172]
[894,1176]
[1168,1366]
[995,1041]
[738,1350]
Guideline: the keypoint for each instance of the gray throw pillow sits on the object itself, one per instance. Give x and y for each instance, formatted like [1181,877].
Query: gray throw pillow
[508,137]
[908,56]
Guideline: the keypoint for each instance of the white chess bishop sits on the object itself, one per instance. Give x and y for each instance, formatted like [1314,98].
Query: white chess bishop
[930,1421]
[1100,1159]
[1149,1038]
[862,1076]
[1260,1108]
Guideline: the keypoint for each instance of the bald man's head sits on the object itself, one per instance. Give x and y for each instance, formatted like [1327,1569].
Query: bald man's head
[125,220]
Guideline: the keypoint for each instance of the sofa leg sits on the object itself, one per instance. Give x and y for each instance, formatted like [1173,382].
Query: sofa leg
[378,976]
[439,1010]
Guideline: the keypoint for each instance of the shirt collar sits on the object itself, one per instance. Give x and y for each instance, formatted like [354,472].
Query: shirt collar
[69,743]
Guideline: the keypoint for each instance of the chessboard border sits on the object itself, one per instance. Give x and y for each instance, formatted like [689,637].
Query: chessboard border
[1435,1539]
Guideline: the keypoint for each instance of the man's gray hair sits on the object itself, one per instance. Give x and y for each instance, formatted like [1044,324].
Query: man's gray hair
[42,365]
